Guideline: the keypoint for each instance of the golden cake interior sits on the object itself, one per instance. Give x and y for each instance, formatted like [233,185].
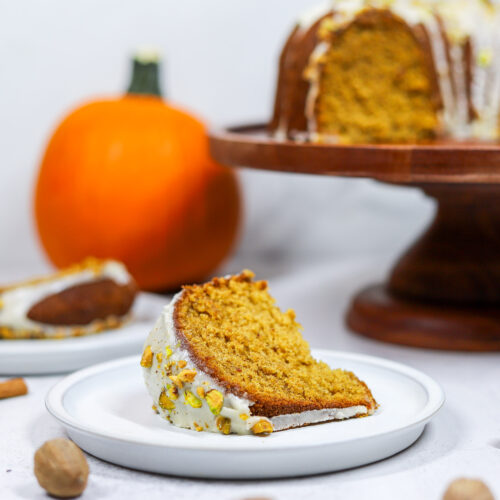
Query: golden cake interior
[241,338]
[375,83]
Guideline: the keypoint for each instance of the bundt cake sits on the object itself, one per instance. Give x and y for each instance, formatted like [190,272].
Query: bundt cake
[85,298]
[391,71]
[222,357]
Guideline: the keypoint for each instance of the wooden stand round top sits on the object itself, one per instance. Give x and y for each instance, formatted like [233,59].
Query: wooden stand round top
[445,162]
[444,292]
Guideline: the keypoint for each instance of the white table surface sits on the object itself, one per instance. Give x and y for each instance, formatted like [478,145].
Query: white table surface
[463,440]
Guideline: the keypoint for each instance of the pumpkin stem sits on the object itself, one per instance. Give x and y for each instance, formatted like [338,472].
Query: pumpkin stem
[145,74]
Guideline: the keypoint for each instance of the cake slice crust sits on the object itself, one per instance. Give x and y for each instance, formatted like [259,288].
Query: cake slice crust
[236,334]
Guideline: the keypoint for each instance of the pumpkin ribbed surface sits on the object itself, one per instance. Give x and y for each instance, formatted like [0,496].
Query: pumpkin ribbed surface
[132,179]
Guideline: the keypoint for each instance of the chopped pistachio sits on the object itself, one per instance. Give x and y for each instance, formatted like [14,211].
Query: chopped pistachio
[262,427]
[159,357]
[173,392]
[223,424]
[187,375]
[198,427]
[182,363]
[215,400]
[192,400]
[325,29]
[168,351]
[164,402]
[112,322]
[177,382]
[147,357]
[244,416]
[201,392]
[155,409]
[485,57]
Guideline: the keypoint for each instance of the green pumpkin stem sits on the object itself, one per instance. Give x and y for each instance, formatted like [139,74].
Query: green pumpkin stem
[145,75]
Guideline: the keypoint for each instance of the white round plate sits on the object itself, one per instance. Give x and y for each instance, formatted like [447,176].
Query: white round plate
[107,412]
[42,356]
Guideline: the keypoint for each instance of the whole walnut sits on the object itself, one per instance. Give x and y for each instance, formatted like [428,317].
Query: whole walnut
[467,489]
[61,468]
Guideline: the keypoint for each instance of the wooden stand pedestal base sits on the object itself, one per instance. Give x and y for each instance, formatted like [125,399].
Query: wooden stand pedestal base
[378,314]
[444,293]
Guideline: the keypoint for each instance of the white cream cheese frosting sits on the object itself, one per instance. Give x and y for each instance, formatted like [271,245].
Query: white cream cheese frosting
[16,301]
[185,402]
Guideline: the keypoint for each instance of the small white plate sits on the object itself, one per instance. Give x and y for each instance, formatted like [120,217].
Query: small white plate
[42,356]
[107,412]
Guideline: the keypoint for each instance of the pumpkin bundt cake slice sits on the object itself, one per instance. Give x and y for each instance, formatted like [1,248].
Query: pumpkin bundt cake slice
[86,298]
[224,358]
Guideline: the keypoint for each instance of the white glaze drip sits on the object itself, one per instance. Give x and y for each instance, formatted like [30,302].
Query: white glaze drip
[313,75]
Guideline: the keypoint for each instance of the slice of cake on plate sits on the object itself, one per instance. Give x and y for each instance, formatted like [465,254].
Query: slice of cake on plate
[83,299]
[222,357]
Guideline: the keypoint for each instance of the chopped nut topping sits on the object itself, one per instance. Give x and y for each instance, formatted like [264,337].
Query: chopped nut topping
[182,363]
[113,322]
[155,409]
[187,375]
[201,392]
[173,392]
[164,402]
[159,357]
[484,58]
[215,400]
[223,424]
[197,427]
[244,416]
[192,400]
[168,351]
[262,427]
[147,357]
[175,379]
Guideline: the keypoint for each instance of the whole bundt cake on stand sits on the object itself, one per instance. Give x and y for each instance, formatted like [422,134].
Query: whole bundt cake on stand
[405,92]
[400,71]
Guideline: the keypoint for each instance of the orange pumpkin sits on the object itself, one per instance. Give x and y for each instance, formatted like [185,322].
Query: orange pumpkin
[131,179]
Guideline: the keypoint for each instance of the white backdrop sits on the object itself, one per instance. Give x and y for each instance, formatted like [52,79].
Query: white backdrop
[220,60]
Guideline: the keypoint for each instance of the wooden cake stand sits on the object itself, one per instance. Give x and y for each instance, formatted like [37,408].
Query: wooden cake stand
[444,292]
